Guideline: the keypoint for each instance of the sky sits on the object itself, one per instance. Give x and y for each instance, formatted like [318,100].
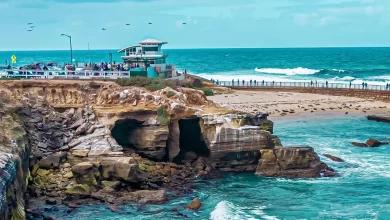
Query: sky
[209,23]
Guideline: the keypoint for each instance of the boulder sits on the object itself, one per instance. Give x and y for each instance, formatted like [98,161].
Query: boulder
[291,162]
[195,205]
[81,129]
[378,118]
[119,170]
[82,168]
[77,124]
[359,144]
[52,161]
[144,197]
[337,159]
[374,143]
[79,190]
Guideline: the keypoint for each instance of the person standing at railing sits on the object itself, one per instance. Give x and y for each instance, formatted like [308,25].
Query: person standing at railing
[250,82]
[255,83]
[363,85]
[311,83]
[366,85]
[263,83]
[232,82]
[243,82]
[387,86]
[350,84]
[238,82]
[326,84]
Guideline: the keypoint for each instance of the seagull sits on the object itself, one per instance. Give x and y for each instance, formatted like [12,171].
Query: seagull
[150,23]
[103,29]
[29,30]
[32,26]
[127,24]
[29,23]
[184,23]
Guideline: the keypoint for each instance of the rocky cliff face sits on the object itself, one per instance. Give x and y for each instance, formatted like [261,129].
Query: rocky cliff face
[14,172]
[123,144]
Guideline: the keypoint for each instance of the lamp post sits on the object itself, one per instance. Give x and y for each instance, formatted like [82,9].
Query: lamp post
[70,42]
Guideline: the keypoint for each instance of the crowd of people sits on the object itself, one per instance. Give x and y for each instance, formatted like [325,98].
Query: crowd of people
[273,83]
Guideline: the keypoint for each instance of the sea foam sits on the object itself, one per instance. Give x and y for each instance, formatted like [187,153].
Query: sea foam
[289,72]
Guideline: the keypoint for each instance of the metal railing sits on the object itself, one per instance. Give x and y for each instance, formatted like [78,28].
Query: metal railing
[49,74]
[303,85]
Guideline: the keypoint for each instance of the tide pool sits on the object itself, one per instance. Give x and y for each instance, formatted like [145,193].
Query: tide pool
[362,191]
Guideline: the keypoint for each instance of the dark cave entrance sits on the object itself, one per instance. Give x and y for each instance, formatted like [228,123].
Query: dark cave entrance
[122,131]
[191,139]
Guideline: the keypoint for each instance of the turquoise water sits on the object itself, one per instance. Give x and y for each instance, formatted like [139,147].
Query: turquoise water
[362,191]
[371,65]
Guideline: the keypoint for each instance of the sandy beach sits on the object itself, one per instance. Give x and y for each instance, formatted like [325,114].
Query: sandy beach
[286,104]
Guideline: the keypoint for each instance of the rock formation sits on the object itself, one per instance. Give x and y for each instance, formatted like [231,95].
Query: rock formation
[292,162]
[77,140]
[378,118]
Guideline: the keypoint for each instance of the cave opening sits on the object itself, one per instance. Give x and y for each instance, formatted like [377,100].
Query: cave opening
[191,139]
[122,131]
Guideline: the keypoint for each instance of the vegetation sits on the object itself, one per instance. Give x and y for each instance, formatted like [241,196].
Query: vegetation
[162,116]
[170,94]
[5,100]
[13,114]
[207,91]
[151,84]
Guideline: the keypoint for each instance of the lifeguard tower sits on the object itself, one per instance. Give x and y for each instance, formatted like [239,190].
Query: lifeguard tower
[147,59]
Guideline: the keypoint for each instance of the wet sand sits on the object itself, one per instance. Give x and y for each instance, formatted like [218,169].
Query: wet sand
[302,105]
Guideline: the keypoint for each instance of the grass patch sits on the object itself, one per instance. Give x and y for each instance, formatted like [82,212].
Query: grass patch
[151,84]
[5,100]
[162,116]
[170,94]
[207,91]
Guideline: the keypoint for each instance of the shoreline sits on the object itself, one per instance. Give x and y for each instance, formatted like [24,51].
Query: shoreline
[300,106]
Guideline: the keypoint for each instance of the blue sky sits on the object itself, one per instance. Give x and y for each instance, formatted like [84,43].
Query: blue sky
[210,23]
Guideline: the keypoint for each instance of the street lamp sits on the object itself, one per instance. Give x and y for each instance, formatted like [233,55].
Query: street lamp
[70,42]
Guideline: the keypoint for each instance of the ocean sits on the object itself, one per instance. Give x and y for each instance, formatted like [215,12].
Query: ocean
[362,191]
[371,65]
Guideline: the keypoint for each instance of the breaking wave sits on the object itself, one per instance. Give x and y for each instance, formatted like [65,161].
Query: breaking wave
[289,72]
[226,210]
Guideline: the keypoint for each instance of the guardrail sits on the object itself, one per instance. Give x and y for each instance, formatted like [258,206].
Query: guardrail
[304,85]
[49,74]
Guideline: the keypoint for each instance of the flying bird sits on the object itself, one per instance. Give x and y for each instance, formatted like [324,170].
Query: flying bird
[29,30]
[127,24]
[29,23]
[103,29]
[32,26]
[150,23]
[184,23]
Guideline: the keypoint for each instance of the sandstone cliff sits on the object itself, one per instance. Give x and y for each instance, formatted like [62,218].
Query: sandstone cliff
[125,144]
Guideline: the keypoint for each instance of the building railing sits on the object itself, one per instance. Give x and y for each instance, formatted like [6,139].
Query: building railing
[144,53]
[303,85]
[49,74]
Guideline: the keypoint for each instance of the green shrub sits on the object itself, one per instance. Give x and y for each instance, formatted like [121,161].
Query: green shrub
[151,84]
[170,94]
[162,116]
[13,114]
[207,91]
[5,100]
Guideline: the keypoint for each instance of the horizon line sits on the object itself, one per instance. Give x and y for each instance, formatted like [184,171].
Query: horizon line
[206,48]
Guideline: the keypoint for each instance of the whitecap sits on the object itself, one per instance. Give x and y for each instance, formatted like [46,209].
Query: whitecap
[289,72]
